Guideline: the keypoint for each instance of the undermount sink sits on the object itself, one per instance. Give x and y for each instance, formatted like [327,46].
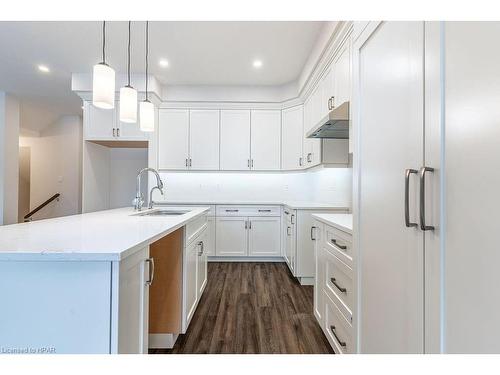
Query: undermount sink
[162,213]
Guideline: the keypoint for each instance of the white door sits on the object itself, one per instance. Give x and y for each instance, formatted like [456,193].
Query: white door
[190,284]
[231,236]
[391,140]
[292,138]
[204,139]
[470,140]
[99,123]
[265,144]
[173,139]
[264,236]
[342,71]
[235,140]
[129,131]
[201,278]
[133,311]
[210,241]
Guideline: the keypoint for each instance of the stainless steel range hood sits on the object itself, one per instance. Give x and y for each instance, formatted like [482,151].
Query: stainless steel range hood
[334,125]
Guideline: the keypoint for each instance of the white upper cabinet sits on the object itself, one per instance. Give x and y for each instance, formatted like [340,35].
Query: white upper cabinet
[173,139]
[99,123]
[127,130]
[292,138]
[265,140]
[342,70]
[204,139]
[105,125]
[235,140]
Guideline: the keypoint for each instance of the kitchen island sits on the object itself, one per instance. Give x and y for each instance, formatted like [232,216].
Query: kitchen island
[80,284]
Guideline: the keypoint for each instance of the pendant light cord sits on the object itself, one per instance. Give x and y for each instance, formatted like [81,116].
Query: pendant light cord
[104,42]
[147,52]
[129,23]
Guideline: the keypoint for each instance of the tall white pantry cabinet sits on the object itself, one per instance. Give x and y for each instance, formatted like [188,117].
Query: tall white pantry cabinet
[426,186]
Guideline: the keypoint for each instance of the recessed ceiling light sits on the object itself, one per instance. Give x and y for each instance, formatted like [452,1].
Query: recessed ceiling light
[257,64]
[163,63]
[43,68]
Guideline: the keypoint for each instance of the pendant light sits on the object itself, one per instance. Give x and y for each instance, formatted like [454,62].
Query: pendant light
[128,95]
[103,82]
[146,108]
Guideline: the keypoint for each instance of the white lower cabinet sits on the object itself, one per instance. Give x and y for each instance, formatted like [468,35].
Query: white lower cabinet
[264,236]
[133,303]
[194,268]
[248,231]
[231,236]
[334,291]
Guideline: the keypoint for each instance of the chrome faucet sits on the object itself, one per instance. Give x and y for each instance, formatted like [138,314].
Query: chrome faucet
[139,200]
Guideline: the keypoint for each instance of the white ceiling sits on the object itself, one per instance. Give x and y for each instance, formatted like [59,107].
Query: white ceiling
[199,53]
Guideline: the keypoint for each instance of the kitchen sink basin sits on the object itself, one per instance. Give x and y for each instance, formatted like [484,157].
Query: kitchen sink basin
[162,213]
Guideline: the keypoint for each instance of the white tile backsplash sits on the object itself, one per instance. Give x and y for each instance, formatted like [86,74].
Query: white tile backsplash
[325,185]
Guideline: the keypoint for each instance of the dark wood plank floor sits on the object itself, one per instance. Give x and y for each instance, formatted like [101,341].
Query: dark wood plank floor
[253,308]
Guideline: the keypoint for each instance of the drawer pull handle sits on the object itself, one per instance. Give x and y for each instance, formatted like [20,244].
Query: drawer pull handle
[312,234]
[232,210]
[334,282]
[334,241]
[341,343]
[151,270]
[264,210]
[288,231]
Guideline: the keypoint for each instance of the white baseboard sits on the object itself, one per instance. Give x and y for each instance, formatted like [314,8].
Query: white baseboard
[162,340]
[246,259]
[306,280]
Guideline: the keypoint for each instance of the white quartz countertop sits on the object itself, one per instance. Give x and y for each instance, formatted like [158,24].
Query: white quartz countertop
[342,222]
[102,236]
[297,205]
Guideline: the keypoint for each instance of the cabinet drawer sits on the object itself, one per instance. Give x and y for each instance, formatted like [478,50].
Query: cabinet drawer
[337,330]
[340,243]
[338,283]
[194,228]
[248,210]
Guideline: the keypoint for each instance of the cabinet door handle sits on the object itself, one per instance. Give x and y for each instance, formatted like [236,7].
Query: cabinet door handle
[309,157]
[246,224]
[288,231]
[341,343]
[264,210]
[334,241]
[312,233]
[330,103]
[117,132]
[248,163]
[151,270]
[190,162]
[249,224]
[232,210]
[407,198]
[186,162]
[423,226]
[114,132]
[292,219]
[287,213]
[334,282]
[251,163]
[201,245]
[332,99]
[300,161]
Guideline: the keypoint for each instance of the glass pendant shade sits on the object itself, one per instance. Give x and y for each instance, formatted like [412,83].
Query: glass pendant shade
[128,104]
[103,86]
[147,116]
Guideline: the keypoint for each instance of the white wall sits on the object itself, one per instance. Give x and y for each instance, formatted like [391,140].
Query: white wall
[325,185]
[56,167]
[9,158]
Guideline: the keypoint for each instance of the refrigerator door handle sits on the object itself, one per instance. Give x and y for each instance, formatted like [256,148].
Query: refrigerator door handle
[423,225]
[408,173]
